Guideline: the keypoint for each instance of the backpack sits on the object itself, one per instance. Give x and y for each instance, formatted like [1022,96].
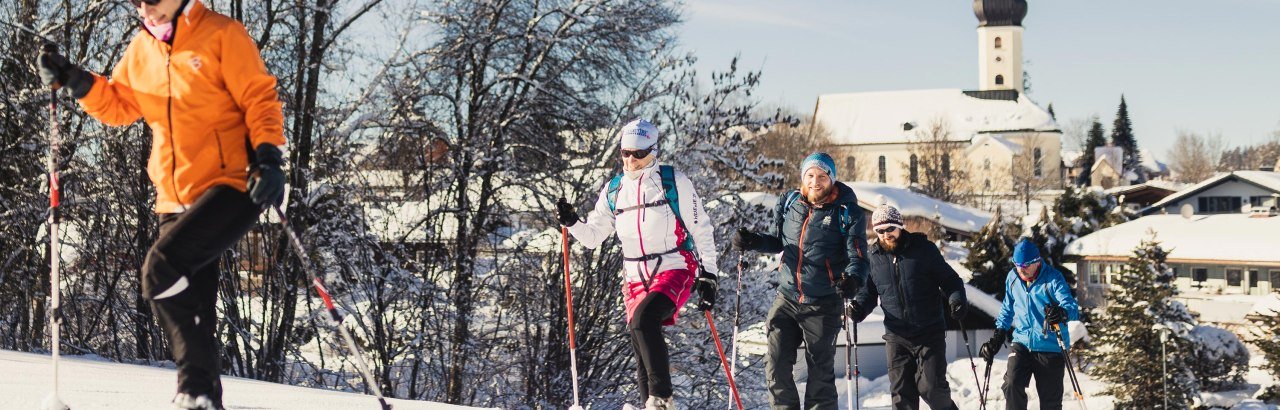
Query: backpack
[671,198]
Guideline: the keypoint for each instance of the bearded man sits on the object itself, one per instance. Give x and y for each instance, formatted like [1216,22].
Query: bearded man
[821,234]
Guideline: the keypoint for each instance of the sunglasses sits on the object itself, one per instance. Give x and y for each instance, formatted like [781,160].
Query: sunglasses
[138,3]
[636,153]
[1028,264]
[886,230]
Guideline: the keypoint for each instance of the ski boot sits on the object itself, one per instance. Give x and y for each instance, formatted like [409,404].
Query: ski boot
[201,402]
[660,403]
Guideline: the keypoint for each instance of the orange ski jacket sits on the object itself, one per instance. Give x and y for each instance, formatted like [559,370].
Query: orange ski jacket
[208,99]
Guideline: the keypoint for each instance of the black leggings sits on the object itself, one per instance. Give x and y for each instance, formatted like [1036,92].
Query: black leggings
[652,361]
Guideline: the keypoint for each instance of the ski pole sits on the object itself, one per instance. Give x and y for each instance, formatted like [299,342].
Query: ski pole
[334,316]
[55,279]
[737,307]
[986,384]
[982,403]
[1066,357]
[568,303]
[733,388]
[851,361]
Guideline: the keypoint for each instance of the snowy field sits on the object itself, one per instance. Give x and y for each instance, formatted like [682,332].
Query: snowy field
[964,390]
[98,384]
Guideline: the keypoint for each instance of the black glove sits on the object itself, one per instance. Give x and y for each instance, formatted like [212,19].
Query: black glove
[745,240]
[1055,314]
[266,187]
[58,72]
[848,286]
[989,350]
[853,310]
[566,213]
[706,286]
[959,307]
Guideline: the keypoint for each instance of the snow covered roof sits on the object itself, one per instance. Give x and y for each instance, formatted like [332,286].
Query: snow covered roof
[1263,179]
[1225,237]
[1070,157]
[953,216]
[1011,147]
[878,117]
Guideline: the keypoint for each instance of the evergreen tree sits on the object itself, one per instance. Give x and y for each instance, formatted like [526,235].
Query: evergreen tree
[1267,338]
[990,253]
[1122,136]
[1128,354]
[1051,240]
[1097,138]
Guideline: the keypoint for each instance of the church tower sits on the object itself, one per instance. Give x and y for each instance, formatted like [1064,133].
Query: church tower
[1000,43]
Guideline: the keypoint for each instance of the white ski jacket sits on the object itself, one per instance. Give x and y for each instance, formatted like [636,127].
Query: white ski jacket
[650,230]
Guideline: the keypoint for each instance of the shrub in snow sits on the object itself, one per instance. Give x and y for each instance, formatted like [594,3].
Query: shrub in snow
[1267,337]
[1221,360]
[1127,350]
[989,256]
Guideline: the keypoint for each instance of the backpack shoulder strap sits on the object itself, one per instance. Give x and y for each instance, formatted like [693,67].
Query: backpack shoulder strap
[611,195]
[668,176]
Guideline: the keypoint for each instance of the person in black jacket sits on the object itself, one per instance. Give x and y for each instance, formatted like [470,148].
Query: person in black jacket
[821,233]
[908,279]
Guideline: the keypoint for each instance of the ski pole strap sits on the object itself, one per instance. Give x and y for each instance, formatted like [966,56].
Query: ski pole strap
[659,202]
[651,256]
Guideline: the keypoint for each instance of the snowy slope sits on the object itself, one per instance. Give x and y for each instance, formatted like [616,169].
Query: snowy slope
[99,384]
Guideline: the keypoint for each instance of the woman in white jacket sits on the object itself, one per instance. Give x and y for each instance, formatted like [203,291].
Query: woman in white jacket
[661,250]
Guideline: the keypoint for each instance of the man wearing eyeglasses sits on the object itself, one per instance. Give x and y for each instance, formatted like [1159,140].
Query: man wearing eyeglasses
[1036,295]
[666,237]
[909,280]
[196,78]
[821,233]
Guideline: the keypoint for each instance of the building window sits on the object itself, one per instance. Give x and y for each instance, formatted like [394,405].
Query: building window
[998,42]
[1275,280]
[883,170]
[946,166]
[850,164]
[1199,274]
[999,79]
[1095,274]
[1219,204]
[1038,157]
[1257,201]
[986,185]
[986,164]
[915,170]
[1233,277]
[1253,278]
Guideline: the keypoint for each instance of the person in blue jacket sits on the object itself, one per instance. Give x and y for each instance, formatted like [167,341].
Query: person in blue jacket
[1036,295]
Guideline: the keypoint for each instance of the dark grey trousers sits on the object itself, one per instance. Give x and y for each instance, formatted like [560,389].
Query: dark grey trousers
[790,323]
[180,277]
[918,370]
[1047,367]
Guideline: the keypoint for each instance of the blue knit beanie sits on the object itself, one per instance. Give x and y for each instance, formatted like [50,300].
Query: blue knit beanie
[822,161]
[1025,251]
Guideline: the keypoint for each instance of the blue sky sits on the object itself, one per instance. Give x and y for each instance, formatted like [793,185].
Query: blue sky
[1203,66]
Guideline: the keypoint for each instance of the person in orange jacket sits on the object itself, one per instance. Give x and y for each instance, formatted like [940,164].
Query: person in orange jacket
[197,79]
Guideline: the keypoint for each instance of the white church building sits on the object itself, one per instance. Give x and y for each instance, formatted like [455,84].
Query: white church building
[992,128]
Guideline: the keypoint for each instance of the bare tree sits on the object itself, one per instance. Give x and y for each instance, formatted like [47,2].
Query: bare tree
[792,143]
[1029,173]
[1193,158]
[941,168]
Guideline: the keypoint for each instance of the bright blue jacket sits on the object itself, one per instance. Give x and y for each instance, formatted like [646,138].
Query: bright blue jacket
[1023,308]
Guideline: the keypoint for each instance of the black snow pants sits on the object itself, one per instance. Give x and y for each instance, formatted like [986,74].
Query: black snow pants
[788,324]
[180,278]
[1047,367]
[653,362]
[918,370]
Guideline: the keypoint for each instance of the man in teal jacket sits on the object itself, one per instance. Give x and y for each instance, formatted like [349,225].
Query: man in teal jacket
[1036,294]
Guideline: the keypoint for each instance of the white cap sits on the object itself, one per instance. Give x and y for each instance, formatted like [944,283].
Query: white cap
[639,134]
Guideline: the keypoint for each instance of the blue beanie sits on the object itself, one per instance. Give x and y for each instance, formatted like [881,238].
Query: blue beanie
[820,160]
[1025,251]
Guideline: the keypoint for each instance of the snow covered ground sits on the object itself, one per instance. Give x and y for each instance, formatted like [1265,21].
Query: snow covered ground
[88,383]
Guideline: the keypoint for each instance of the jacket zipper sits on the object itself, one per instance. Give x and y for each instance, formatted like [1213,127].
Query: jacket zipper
[804,228]
[222,160]
[173,148]
[906,309]
[830,275]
